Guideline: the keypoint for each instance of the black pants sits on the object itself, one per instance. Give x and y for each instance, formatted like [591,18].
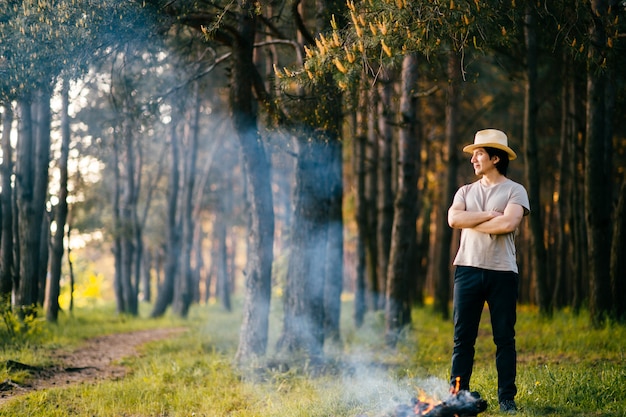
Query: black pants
[472,288]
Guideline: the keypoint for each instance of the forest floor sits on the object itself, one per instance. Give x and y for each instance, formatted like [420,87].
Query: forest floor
[97,359]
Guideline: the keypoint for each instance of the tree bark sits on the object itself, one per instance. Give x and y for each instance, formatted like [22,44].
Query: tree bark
[7,273]
[183,294]
[384,195]
[360,163]
[532,166]
[31,188]
[304,292]
[254,329]
[618,256]
[53,287]
[165,295]
[374,293]
[333,286]
[598,164]
[128,207]
[403,237]
[451,161]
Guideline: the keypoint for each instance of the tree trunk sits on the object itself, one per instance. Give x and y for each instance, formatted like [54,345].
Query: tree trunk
[31,188]
[117,226]
[532,166]
[219,254]
[451,161]
[374,293]
[254,329]
[165,295]
[403,237]
[580,261]
[618,257]
[183,294]
[127,217]
[360,163]
[51,304]
[7,274]
[384,194]
[334,263]
[598,164]
[304,293]
[564,239]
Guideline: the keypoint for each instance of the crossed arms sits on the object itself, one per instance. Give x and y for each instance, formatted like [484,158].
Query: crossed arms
[491,222]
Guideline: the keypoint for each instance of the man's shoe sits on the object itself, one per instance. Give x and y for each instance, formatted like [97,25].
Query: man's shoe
[508,406]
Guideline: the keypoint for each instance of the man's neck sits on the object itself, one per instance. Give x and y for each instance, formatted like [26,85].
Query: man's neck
[492,178]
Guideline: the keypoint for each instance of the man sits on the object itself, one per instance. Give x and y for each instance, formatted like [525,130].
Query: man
[488,211]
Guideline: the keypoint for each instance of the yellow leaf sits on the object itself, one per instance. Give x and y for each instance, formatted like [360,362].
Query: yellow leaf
[373,29]
[386,48]
[340,66]
[337,41]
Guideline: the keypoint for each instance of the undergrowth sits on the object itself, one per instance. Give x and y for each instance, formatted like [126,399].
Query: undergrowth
[565,368]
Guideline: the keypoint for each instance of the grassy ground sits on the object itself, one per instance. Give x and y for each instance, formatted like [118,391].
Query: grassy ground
[566,368]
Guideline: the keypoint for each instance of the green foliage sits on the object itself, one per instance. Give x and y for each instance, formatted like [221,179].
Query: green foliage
[381,32]
[566,368]
[41,38]
[20,327]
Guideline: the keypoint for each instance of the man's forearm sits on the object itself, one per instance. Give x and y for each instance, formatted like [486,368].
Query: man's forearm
[461,219]
[497,226]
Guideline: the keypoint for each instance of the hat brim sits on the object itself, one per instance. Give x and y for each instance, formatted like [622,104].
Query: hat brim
[509,151]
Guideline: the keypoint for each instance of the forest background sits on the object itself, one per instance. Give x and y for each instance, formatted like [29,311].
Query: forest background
[178,151]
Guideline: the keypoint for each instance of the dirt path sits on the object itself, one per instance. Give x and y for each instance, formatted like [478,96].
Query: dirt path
[95,360]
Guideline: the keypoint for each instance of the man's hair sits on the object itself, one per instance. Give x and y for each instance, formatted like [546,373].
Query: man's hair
[503,164]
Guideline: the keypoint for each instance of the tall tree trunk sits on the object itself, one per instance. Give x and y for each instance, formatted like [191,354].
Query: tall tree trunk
[360,163]
[184,291]
[7,272]
[403,237]
[598,169]
[128,217]
[117,226]
[331,108]
[532,167]
[333,286]
[31,187]
[254,329]
[374,293]
[580,261]
[304,292]
[564,191]
[385,185]
[311,295]
[451,161]
[165,295]
[51,303]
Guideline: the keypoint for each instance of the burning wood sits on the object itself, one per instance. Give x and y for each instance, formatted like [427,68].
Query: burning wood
[459,404]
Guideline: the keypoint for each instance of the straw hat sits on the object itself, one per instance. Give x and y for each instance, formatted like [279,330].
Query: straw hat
[491,138]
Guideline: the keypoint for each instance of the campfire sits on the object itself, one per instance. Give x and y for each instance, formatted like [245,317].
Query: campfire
[459,403]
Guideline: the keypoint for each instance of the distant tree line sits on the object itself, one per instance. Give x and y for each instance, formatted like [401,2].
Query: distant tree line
[320,141]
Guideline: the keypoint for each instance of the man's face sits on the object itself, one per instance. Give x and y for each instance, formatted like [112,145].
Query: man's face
[481,161]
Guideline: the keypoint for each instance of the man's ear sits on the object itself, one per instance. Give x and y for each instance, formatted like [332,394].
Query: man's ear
[496,159]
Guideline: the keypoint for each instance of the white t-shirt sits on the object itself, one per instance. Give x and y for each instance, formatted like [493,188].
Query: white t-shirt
[482,250]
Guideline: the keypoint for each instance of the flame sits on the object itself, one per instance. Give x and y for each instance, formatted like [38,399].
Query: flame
[424,404]
[457,386]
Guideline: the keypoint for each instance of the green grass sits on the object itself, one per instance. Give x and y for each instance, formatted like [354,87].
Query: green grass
[566,368]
